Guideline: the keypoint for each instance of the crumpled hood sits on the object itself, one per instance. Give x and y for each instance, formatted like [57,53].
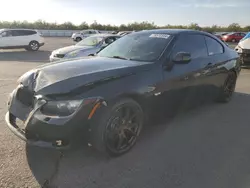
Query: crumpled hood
[244,44]
[69,49]
[64,76]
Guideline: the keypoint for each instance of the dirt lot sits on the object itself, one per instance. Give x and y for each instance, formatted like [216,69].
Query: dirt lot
[206,147]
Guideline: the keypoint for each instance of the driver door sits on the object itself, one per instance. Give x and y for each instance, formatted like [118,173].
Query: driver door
[184,83]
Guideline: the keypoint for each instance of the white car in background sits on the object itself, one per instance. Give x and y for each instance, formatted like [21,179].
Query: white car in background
[83,34]
[89,45]
[29,39]
[243,49]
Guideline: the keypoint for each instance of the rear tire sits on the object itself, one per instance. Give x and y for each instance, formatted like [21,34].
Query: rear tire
[228,88]
[116,129]
[33,46]
[233,40]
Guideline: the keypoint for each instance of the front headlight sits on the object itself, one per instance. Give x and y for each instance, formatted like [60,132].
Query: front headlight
[73,54]
[61,108]
[53,53]
[238,49]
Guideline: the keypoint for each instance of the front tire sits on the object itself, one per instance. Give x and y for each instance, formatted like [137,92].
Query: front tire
[228,88]
[118,128]
[78,39]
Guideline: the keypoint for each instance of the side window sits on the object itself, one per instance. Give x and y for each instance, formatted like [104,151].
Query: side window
[91,32]
[16,33]
[192,43]
[6,34]
[243,34]
[29,32]
[213,46]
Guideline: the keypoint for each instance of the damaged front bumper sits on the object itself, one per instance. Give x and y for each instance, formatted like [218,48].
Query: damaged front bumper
[38,129]
[244,56]
[20,133]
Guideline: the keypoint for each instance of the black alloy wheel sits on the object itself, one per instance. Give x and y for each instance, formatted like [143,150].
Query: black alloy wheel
[123,128]
[117,128]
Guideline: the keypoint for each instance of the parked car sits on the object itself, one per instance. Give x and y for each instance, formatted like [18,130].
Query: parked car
[114,32]
[233,37]
[243,49]
[20,38]
[83,34]
[87,46]
[108,97]
[220,35]
[123,33]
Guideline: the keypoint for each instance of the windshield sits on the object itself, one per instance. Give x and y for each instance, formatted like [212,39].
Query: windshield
[137,46]
[90,41]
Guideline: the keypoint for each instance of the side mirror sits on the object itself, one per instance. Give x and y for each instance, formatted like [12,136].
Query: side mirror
[182,58]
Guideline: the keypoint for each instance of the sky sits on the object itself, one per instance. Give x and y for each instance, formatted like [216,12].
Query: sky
[116,12]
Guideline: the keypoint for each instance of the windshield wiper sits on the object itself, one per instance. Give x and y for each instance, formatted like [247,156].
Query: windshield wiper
[119,57]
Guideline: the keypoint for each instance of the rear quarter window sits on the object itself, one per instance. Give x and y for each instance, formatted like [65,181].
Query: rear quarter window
[213,46]
[28,32]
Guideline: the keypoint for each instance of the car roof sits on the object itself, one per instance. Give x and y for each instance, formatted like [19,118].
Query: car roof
[175,32]
[171,31]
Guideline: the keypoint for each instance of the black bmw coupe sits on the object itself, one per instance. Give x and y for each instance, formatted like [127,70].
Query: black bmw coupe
[107,97]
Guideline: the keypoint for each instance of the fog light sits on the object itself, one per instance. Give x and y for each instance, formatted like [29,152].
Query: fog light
[58,142]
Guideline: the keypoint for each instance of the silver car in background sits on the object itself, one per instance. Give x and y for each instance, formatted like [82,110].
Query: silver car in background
[87,46]
[78,36]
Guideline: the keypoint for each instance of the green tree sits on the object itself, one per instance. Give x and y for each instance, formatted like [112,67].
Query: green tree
[41,24]
[234,27]
[194,26]
[247,28]
[83,26]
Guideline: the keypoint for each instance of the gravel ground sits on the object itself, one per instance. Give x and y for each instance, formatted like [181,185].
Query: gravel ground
[206,147]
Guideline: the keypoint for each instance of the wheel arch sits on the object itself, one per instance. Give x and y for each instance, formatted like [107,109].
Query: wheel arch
[33,41]
[137,98]
[234,71]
